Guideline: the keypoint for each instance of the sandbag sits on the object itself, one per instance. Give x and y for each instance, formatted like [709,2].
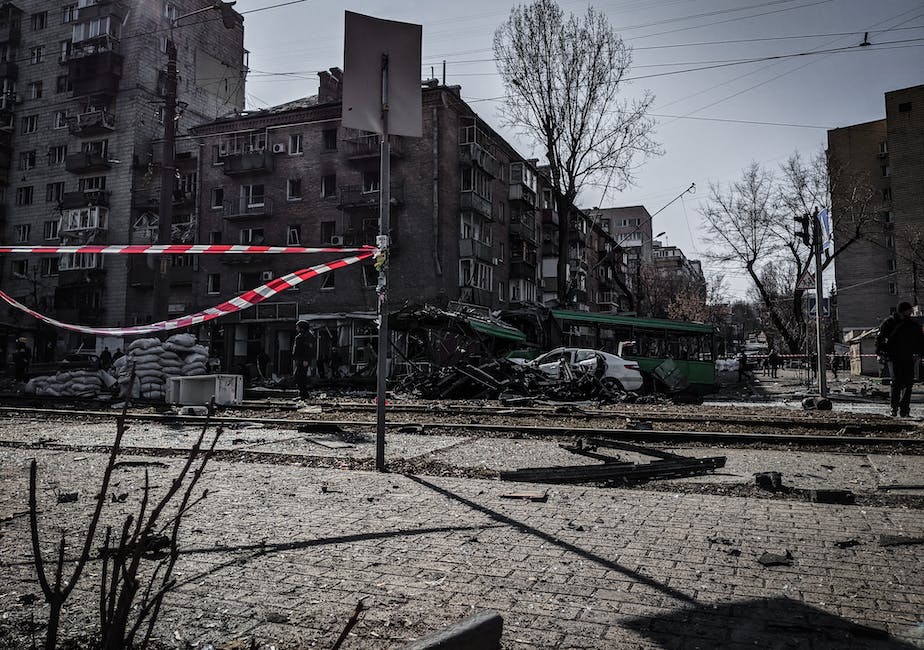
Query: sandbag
[144,344]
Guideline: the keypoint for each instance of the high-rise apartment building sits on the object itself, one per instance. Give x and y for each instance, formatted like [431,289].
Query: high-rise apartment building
[81,103]
[886,158]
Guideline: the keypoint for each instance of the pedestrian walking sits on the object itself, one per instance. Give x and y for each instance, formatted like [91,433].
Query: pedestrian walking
[302,355]
[900,339]
[105,358]
[774,359]
[742,366]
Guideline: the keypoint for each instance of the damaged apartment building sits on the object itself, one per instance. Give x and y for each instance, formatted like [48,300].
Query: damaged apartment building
[471,223]
[81,104]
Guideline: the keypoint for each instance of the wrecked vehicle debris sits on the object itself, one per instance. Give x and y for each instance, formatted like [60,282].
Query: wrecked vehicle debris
[613,471]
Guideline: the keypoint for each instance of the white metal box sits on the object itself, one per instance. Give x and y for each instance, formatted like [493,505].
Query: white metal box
[200,389]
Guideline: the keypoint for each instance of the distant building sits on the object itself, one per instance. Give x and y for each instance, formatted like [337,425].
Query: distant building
[631,229]
[880,270]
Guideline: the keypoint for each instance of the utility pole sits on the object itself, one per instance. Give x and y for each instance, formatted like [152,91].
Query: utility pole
[819,289]
[167,179]
[161,298]
[382,242]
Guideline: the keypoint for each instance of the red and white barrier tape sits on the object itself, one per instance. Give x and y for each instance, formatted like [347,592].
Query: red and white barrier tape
[244,301]
[185,249]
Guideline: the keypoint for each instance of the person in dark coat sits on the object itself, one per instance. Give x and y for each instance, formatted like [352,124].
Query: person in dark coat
[900,339]
[302,355]
[21,357]
[774,360]
[105,359]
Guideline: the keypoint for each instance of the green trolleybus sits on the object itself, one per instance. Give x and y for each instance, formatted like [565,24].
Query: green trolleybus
[684,351]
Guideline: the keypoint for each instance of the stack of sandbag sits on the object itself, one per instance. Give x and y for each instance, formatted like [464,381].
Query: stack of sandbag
[154,361]
[73,383]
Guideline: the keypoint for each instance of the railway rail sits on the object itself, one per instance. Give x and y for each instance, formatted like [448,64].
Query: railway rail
[912,441]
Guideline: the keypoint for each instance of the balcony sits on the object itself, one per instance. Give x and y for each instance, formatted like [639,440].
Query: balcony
[609,298]
[6,160]
[86,161]
[248,162]
[354,196]
[369,146]
[95,69]
[524,228]
[472,154]
[476,203]
[476,296]
[550,218]
[254,208]
[472,248]
[92,123]
[523,194]
[88,198]
[524,269]
[9,70]
[9,33]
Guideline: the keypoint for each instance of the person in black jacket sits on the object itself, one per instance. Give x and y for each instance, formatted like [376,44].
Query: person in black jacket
[302,354]
[900,339]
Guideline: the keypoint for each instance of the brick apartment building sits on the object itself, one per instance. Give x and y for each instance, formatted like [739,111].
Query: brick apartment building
[470,220]
[874,274]
[80,106]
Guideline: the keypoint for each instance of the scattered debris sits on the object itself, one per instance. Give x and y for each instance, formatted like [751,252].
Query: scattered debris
[67,497]
[816,404]
[842,497]
[138,463]
[640,426]
[776,559]
[847,543]
[541,497]
[118,498]
[899,540]
[898,486]
[771,481]
[612,470]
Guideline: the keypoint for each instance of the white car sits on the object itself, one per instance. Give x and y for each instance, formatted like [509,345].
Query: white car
[617,371]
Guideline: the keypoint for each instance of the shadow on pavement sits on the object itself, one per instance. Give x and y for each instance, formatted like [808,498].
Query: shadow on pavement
[253,551]
[551,539]
[763,623]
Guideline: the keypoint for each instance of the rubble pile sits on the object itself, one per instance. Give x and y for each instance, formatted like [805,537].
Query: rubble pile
[503,379]
[152,361]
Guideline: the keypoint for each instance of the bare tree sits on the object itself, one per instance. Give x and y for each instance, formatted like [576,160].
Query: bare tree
[563,79]
[752,224]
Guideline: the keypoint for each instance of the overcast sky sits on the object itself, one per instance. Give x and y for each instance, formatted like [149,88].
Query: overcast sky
[712,123]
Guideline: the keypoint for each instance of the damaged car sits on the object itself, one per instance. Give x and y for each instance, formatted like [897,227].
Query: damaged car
[613,371]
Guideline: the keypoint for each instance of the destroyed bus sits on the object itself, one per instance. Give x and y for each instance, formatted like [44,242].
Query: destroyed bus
[675,355]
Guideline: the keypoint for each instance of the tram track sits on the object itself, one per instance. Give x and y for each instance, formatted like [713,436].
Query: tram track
[911,442]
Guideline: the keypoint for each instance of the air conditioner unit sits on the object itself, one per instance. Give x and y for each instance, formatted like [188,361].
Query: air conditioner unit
[279,147]
[497,260]
[337,240]
[266,276]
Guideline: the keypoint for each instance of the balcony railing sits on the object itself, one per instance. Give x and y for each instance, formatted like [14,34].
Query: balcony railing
[609,298]
[86,161]
[247,208]
[9,33]
[370,146]
[476,203]
[92,123]
[524,228]
[356,196]
[523,269]
[8,70]
[520,192]
[248,162]
[71,200]
[473,154]
[472,248]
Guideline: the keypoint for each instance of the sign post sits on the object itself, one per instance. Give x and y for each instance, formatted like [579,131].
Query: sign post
[381,94]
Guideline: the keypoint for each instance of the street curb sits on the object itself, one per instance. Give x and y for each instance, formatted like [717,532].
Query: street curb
[480,631]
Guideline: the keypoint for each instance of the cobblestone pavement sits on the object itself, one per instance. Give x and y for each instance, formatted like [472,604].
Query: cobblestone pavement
[282,554]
